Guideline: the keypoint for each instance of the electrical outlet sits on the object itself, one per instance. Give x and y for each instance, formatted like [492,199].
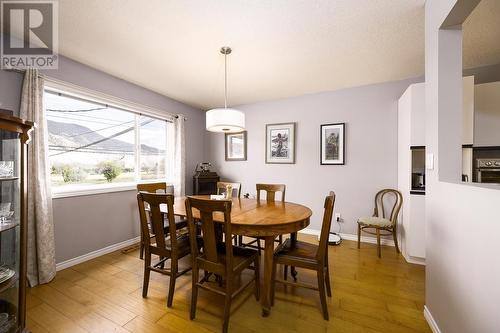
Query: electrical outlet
[338,217]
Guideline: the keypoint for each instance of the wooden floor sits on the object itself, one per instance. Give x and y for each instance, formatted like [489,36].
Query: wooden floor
[104,295]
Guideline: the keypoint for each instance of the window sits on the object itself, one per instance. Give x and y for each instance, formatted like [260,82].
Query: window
[95,146]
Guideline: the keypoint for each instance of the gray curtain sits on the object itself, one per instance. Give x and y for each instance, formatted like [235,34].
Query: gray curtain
[41,247]
[179,157]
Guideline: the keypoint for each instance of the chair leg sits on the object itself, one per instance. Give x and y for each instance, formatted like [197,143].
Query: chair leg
[141,251]
[395,236]
[322,296]
[171,285]
[359,236]
[227,306]
[327,278]
[194,292]
[258,247]
[280,239]
[285,272]
[147,272]
[257,278]
[294,273]
[378,244]
[235,240]
[273,282]
[240,240]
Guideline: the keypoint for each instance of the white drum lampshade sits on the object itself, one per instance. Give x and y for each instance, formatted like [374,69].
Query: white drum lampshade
[225,120]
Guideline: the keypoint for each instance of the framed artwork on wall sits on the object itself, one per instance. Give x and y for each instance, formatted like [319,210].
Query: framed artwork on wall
[236,146]
[332,144]
[280,143]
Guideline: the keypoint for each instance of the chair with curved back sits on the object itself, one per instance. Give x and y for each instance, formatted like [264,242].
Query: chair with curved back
[173,247]
[296,253]
[383,222]
[159,187]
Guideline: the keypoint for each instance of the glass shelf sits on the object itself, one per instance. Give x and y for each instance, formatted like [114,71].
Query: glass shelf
[14,136]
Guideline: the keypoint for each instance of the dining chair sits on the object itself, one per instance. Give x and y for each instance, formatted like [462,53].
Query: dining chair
[175,247]
[270,190]
[221,188]
[383,222]
[219,258]
[160,187]
[309,256]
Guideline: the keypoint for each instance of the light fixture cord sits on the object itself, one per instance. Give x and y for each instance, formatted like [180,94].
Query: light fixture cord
[225,80]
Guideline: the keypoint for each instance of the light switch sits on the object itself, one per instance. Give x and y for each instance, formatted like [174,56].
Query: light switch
[429,161]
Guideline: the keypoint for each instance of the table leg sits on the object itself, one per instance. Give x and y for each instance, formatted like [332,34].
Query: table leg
[268,278]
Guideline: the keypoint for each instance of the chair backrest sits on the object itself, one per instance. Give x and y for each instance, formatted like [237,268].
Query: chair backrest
[271,190]
[207,209]
[221,187]
[388,203]
[161,187]
[325,227]
[154,217]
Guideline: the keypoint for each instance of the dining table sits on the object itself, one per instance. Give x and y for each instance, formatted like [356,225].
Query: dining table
[263,219]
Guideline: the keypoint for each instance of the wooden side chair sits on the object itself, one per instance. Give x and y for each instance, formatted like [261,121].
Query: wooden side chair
[221,188]
[160,187]
[270,190]
[384,224]
[309,256]
[174,247]
[221,259]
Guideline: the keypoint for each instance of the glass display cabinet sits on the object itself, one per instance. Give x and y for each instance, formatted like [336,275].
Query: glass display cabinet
[14,138]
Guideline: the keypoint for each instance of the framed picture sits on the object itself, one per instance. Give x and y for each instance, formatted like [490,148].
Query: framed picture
[333,144]
[236,146]
[280,143]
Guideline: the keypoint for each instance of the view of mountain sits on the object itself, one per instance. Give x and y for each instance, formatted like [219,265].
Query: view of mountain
[67,136]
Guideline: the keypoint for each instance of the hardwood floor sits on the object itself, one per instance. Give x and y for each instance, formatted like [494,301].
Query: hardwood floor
[104,295]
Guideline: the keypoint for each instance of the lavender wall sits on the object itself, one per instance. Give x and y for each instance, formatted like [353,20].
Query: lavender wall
[10,90]
[88,223]
[370,114]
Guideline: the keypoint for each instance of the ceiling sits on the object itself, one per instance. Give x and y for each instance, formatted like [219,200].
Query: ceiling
[281,48]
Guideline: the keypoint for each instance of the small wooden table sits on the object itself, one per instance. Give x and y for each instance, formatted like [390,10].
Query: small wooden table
[267,220]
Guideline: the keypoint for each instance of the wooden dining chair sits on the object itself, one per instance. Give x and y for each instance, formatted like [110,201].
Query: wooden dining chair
[384,224]
[221,188]
[159,187]
[271,190]
[309,256]
[219,258]
[174,247]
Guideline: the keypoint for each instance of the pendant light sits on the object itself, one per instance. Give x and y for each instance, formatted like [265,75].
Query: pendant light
[225,120]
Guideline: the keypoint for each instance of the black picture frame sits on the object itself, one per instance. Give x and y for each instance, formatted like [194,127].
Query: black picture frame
[340,160]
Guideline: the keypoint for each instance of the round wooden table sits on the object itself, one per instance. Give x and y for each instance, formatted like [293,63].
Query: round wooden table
[267,220]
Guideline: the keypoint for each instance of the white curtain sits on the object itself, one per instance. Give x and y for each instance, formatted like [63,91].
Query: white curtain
[179,157]
[41,247]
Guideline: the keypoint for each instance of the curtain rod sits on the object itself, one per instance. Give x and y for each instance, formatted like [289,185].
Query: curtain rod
[23,71]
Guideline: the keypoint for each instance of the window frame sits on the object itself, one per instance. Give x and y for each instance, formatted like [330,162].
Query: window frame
[67,89]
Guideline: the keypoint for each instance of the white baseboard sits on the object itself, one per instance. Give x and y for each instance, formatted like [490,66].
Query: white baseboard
[430,320]
[364,239]
[414,260]
[97,253]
